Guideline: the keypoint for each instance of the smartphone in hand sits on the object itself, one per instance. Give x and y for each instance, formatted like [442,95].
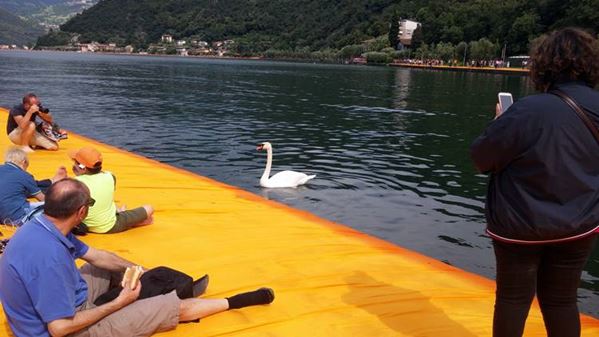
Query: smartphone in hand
[505,100]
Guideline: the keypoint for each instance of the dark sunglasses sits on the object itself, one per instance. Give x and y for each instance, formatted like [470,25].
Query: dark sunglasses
[90,202]
[76,164]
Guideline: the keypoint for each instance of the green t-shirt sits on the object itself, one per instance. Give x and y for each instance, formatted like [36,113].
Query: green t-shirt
[102,216]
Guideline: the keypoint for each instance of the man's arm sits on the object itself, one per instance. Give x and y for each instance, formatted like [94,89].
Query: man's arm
[23,121]
[106,260]
[40,196]
[82,319]
[46,117]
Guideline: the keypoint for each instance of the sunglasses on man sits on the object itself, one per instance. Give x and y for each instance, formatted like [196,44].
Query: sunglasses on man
[90,202]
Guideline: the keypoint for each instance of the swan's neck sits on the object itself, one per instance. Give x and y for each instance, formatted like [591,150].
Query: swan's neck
[266,173]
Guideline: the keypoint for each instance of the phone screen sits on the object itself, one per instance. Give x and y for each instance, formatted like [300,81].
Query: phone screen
[505,100]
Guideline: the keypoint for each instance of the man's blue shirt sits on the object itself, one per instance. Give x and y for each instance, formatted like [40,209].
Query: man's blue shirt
[39,281]
[16,186]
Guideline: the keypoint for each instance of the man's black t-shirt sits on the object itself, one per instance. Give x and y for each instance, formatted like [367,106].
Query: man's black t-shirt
[17,110]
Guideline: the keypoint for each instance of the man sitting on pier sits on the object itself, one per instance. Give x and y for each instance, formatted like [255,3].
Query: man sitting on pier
[16,185]
[43,293]
[104,217]
[21,125]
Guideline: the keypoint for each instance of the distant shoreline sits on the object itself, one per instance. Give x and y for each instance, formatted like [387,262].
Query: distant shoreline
[207,57]
[488,70]
[137,54]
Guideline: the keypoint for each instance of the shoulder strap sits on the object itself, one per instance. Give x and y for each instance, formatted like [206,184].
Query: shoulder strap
[579,111]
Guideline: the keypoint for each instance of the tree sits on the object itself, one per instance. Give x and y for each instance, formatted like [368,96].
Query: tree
[461,51]
[351,51]
[54,38]
[378,57]
[445,51]
[417,38]
[423,52]
[377,44]
[523,30]
[482,49]
[394,31]
[452,34]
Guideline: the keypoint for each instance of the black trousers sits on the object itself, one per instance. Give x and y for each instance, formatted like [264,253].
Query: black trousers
[552,271]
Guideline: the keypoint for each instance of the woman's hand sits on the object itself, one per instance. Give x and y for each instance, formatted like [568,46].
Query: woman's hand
[498,111]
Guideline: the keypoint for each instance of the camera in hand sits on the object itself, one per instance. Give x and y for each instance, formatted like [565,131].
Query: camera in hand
[43,110]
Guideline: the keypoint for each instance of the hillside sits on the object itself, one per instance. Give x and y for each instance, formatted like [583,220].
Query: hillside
[280,24]
[24,7]
[14,30]
[311,25]
[48,13]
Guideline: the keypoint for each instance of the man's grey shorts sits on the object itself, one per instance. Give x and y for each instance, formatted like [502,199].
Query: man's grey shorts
[140,318]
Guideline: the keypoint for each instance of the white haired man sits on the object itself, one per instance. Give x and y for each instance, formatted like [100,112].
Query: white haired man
[17,185]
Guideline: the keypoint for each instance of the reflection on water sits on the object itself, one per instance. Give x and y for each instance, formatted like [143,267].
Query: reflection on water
[389,146]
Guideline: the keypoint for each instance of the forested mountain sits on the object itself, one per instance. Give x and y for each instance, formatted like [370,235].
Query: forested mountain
[49,13]
[281,24]
[23,7]
[259,25]
[14,30]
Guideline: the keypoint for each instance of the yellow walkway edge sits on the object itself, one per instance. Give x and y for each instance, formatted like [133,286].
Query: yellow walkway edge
[330,280]
[491,70]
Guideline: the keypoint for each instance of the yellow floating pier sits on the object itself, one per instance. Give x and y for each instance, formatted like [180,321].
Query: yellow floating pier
[329,280]
[491,70]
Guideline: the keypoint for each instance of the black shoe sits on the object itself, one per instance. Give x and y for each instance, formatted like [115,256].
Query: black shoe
[270,294]
[200,285]
[256,297]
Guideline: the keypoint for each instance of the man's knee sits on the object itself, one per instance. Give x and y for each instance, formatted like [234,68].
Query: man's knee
[52,147]
[45,143]
[93,271]
[30,126]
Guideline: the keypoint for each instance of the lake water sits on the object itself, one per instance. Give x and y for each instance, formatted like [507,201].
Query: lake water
[389,146]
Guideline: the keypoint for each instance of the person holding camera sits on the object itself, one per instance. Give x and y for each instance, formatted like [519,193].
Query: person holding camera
[542,204]
[21,125]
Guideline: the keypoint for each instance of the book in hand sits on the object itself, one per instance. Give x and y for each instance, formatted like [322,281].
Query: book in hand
[131,276]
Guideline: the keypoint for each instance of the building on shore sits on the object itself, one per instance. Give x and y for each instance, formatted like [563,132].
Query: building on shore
[167,38]
[406,30]
[182,52]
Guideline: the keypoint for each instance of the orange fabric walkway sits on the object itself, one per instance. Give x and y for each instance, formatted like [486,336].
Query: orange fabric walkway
[329,280]
[491,70]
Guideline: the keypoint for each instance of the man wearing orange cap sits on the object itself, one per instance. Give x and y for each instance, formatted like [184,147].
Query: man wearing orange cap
[103,216]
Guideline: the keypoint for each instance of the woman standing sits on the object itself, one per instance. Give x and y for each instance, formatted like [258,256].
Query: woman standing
[542,204]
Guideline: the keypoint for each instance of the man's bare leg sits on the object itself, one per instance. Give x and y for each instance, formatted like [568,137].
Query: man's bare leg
[195,308]
[150,219]
[26,136]
[61,173]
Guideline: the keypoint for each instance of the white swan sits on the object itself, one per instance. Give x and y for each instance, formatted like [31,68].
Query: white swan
[281,179]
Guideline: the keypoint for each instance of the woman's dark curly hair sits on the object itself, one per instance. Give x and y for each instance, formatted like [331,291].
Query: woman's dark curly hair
[568,54]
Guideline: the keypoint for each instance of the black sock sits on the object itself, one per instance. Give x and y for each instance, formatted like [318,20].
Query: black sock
[256,297]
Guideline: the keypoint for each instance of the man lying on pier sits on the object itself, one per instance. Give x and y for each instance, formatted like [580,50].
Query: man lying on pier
[104,217]
[43,293]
